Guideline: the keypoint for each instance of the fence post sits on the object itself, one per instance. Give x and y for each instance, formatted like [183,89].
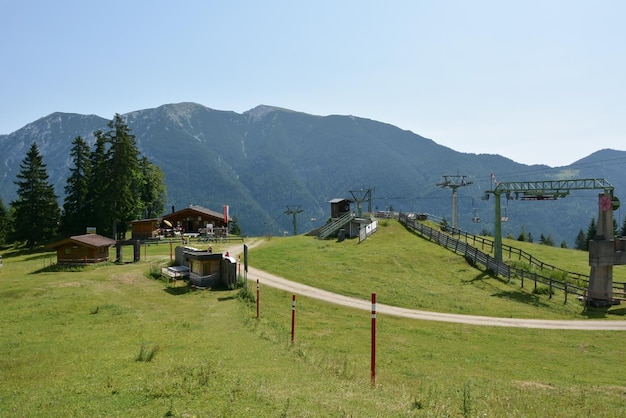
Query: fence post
[293,318]
[373,343]
[565,294]
[550,290]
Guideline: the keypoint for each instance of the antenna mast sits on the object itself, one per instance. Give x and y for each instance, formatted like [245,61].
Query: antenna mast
[454,182]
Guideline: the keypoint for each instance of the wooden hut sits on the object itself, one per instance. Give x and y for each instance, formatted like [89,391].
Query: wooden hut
[190,220]
[83,249]
[197,219]
[145,228]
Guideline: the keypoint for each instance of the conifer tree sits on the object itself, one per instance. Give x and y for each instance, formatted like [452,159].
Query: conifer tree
[97,214]
[235,229]
[579,244]
[591,233]
[5,222]
[152,188]
[124,182]
[76,204]
[36,209]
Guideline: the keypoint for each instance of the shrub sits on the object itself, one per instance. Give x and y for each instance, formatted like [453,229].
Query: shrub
[146,354]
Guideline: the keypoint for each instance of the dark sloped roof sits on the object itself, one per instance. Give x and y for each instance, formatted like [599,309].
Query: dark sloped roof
[198,209]
[94,240]
[91,240]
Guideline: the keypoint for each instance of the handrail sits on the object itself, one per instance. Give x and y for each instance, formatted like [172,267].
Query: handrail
[521,255]
[328,229]
[475,256]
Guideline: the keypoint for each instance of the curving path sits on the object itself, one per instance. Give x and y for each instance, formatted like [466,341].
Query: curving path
[271,280]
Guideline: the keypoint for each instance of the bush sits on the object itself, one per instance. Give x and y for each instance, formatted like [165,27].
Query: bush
[543,290]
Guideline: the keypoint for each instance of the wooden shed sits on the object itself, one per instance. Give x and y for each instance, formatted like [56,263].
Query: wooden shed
[83,249]
[339,207]
[145,228]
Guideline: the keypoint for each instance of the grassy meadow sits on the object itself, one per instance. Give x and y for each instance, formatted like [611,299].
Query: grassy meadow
[111,340]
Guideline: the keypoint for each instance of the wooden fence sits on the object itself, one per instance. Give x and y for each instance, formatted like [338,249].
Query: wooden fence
[474,255]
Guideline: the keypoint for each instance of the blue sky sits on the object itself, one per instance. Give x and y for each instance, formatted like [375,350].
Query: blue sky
[540,82]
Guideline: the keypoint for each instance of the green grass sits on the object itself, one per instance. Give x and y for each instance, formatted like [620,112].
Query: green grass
[112,341]
[408,271]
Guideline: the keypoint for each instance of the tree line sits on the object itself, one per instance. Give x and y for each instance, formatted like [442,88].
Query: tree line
[108,186]
[582,238]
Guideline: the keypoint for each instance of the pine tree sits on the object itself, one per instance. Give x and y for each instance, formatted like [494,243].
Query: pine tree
[591,233]
[622,232]
[5,222]
[124,184]
[152,188]
[76,204]
[579,244]
[522,237]
[97,207]
[235,229]
[36,209]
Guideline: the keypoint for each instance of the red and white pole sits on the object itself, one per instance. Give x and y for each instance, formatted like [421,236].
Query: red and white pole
[373,360]
[258,293]
[293,318]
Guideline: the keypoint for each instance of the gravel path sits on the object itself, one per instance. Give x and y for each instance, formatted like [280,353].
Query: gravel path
[267,279]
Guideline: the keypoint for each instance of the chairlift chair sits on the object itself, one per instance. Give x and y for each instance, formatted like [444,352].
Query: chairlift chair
[475,217]
[505,217]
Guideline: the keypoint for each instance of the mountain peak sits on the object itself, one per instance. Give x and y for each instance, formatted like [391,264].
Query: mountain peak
[259,112]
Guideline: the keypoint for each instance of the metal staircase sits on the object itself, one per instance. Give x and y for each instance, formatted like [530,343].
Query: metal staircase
[328,229]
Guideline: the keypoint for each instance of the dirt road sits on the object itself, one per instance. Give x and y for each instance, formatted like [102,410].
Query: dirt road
[267,279]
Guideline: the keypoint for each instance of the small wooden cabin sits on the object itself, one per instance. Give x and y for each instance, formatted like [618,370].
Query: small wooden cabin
[145,228]
[83,249]
[339,207]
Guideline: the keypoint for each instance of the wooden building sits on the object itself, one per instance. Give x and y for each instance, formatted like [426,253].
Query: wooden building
[145,228]
[83,249]
[190,220]
[194,218]
[339,207]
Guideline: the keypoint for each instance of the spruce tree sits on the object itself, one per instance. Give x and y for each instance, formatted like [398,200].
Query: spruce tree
[76,204]
[579,244]
[98,213]
[591,233]
[5,222]
[152,189]
[36,209]
[124,182]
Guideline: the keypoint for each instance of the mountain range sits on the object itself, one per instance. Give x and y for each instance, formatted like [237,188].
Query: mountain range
[267,161]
